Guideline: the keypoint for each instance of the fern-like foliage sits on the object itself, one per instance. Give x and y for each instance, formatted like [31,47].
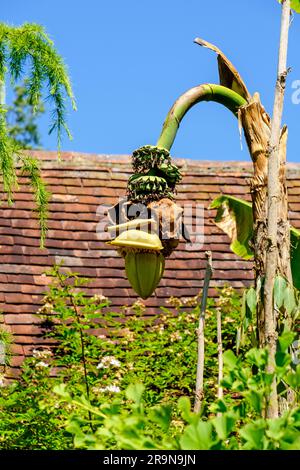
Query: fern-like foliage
[22,124]
[7,163]
[30,167]
[29,42]
[27,52]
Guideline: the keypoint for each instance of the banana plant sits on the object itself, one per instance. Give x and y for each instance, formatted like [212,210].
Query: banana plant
[155,176]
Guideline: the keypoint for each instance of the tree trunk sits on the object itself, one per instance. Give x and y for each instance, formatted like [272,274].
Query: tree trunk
[256,125]
[257,128]
[277,224]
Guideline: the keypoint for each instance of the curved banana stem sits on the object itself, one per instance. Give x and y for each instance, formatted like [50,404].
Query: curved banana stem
[206,92]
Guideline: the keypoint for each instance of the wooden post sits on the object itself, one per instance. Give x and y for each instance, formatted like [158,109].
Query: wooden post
[199,393]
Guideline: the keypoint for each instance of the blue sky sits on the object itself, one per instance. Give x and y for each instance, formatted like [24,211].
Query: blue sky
[130,59]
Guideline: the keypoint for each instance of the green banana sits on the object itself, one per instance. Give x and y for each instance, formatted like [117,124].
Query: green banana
[144,270]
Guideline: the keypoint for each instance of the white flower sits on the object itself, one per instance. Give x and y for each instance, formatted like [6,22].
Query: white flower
[101,366]
[41,353]
[110,388]
[115,362]
[42,364]
[100,298]
[107,361]
[175,336]
[2,380]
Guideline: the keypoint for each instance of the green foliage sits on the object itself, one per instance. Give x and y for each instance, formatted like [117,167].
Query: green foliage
[5,350]
[7,165]
[236,422]
[27,52]
[247,327]
[30,167]
[295,5]
[30,42]
[24,424]
[286,302]
[235,218]
[148,349]
[158,351]
[130,384]
[295,256]
[21,119]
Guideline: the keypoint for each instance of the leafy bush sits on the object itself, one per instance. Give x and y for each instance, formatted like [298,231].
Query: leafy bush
[236,422]
[126,380]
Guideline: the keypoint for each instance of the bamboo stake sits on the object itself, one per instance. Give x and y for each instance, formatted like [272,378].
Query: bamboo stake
[274,194]
[220,353]
[199,393]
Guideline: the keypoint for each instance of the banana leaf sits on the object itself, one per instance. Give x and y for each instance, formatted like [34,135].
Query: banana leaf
[234,217]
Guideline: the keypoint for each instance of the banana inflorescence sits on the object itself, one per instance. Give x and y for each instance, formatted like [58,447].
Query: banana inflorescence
[154,180]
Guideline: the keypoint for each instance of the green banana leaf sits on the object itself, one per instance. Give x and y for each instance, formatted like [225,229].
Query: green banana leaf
[295,5]
[234,217]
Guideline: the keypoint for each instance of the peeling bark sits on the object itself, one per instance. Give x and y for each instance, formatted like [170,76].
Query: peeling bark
[256,125]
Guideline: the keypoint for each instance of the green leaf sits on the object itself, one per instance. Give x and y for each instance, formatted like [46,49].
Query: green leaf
[285,340]
[293,378]
[276,429]
[162,415]
[251,299]
[184,406]
[230,359]
[258,357]
[280,285]
[61,391]
[255,399]
[134,392]
[253,434]
[224,425]
[197,437]
[234,217]
[289,300]
[295,5]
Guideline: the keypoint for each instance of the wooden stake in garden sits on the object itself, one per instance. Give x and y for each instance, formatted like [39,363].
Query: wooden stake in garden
[277,211]
[220,353]
[199,393]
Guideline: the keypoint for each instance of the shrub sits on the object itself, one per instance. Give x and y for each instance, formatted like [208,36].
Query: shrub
[126,379]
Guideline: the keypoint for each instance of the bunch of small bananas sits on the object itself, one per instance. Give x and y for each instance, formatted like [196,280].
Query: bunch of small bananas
[144,187]
[149,156]
[155,176]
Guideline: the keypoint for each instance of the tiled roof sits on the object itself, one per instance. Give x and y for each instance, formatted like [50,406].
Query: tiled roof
[79,183]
